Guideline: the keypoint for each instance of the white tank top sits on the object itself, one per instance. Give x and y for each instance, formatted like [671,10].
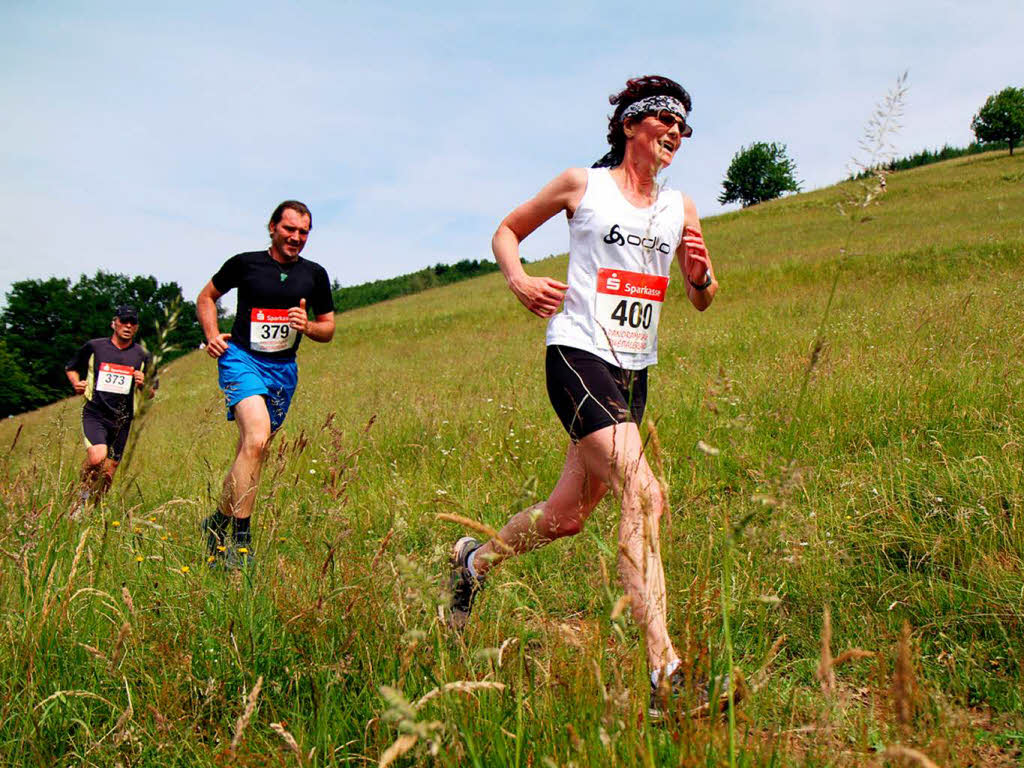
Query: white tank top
[619,259]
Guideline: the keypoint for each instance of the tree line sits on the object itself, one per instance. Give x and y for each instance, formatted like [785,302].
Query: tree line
[929,156]
[375,291]
[45,321]
[765,171]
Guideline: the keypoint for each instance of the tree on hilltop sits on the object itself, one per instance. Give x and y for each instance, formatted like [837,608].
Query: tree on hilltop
[1001,118]
[757,173]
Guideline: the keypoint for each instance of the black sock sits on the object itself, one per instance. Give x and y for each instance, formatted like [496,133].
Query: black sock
[218,523]
[243,537]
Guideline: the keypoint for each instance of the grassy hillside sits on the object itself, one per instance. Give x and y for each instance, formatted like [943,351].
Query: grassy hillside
[894,499]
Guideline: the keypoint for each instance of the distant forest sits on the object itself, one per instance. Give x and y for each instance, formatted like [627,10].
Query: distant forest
[928,156]
[364,294]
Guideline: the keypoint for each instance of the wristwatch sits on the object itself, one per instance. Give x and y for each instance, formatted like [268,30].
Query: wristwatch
[707,281]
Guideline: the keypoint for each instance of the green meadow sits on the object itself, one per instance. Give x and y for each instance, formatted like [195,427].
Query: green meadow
[889,497]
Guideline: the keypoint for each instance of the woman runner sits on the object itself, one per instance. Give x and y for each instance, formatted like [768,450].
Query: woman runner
[624,230]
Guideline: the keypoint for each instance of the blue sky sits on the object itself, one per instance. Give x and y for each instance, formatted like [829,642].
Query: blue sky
[156,140]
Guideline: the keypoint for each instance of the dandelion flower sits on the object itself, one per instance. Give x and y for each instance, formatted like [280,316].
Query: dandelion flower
[139,558]
[116,524]
[282,539]
[152,519]
[243,551]
[164,537]
[222,548]
[210,559]
[185,569]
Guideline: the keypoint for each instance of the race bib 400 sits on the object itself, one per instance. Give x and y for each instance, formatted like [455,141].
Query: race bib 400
[627,308]
[114,378]
[269,330]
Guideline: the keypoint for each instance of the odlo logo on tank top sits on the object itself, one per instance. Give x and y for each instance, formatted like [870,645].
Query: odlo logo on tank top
[615,237]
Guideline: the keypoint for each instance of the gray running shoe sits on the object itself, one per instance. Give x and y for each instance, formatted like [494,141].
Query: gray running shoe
[79,504]
[239,559]
[464,586]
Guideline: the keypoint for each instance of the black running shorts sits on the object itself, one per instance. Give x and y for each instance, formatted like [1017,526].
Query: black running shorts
[103,430]
[589,394]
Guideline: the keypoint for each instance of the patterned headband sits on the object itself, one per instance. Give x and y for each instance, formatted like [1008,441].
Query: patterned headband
[654,104]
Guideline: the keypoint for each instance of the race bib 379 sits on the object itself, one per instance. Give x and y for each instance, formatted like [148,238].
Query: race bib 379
[269,330]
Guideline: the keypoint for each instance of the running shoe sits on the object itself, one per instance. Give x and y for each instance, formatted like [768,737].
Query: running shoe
[239,559]
[668,697]
[464,585]
[78,506]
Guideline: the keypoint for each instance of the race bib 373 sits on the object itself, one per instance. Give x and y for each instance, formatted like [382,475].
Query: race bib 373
[114,378]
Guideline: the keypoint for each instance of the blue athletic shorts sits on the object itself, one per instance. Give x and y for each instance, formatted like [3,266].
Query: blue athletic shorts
[242,374]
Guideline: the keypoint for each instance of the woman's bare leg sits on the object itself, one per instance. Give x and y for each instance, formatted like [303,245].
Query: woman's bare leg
[609,458]
[616,455]
[563,514]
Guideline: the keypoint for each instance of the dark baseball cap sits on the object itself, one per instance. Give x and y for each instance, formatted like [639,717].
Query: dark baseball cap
[126,313]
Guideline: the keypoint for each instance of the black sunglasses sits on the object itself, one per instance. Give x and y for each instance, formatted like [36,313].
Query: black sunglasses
[128,320]
[669,119]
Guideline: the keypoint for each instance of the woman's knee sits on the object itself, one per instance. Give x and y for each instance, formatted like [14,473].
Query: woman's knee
[568,526]
[655,499]
[560,519]
[644,487]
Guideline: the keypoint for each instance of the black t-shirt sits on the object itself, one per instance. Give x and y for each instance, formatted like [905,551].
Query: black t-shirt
[108,374]
[264,284]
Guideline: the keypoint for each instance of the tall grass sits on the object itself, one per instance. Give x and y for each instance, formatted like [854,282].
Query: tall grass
[904,507]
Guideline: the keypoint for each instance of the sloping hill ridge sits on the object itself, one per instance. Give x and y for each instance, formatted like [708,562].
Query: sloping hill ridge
[891,495]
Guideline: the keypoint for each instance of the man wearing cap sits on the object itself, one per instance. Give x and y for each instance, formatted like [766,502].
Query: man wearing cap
[277,290]
[109,372]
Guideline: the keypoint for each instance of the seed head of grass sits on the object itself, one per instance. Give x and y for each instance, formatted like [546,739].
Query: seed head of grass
[908,756]
[825,674]
[903,684]
[250,707]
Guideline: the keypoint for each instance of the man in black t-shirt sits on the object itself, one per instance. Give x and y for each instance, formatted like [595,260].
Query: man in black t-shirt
[109,372]
[256,361]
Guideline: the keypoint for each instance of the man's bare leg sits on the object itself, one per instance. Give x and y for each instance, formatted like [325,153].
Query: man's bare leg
[95,479]
[242,481]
